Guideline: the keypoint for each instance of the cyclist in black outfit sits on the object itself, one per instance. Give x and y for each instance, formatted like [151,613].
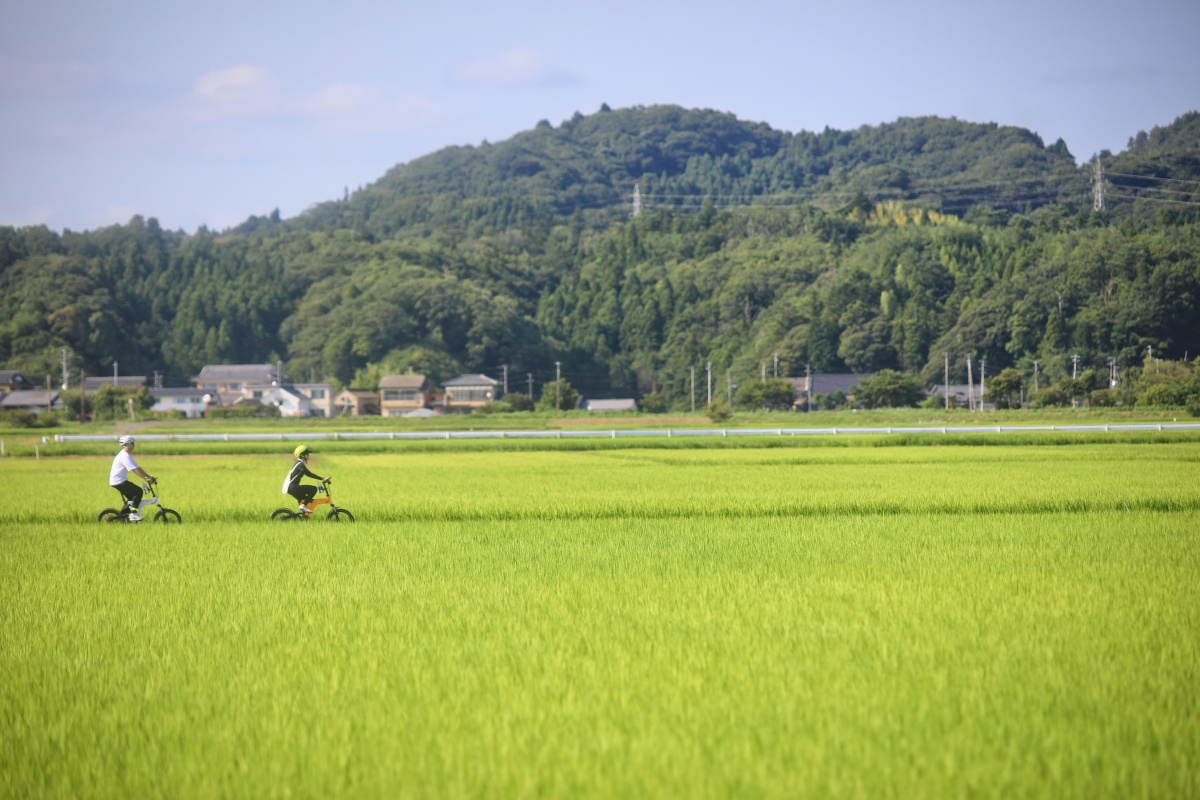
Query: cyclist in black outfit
[304,493]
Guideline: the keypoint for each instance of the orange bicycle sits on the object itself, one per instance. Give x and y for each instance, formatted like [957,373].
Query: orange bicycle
[323,498]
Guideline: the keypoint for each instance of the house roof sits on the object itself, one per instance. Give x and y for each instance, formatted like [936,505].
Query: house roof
[158,393]
[11,376]
[414,381]
[830,382]
[243,373]
[126,381]
[956,390]
[625,404]
[471,379]
[27,398]
[286,395]
[365,394]
[227,399]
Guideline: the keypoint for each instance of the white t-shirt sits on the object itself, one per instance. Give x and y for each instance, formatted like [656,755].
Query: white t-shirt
[123,464]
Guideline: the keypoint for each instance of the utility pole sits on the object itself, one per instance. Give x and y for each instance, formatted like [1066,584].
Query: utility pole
[82,397]
[66,380]
[807,388]
[1112,372]
[776,365]
[693,371]
[637,200]
[729,384]
[114,372]
[1035,377]
[970,386]
[557,384]
[982,379]
[529,380]
[763,364]
[709,368]
[279,373]
[505,368]
[1074,366]
[1098,186]
[946,379]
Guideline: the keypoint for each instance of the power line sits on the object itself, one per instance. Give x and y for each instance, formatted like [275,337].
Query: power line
[1155,199]
[1191,193]
[1152,178]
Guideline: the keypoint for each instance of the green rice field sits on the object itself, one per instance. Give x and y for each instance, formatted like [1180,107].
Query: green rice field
[786,621]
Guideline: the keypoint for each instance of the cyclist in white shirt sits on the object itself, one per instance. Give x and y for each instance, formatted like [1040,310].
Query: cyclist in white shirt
[122,465]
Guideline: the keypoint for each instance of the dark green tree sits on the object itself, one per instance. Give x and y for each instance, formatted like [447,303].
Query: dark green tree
[889,388]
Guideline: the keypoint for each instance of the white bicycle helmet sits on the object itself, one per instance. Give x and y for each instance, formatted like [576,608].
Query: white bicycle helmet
[124,440]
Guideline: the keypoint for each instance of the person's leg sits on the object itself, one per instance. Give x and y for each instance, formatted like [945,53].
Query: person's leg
[132,494]
[304,495]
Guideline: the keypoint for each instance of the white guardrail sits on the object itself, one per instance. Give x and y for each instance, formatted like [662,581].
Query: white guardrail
[616,433]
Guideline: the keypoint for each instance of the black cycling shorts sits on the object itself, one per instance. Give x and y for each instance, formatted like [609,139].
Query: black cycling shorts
[131,492]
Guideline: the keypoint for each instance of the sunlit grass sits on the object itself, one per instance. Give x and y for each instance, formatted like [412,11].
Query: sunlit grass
[824,622]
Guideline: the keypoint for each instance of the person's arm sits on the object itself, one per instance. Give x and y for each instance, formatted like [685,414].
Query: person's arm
[141,473]
[314,475]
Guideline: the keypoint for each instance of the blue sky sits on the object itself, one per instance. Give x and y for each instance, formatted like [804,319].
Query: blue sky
[206,113]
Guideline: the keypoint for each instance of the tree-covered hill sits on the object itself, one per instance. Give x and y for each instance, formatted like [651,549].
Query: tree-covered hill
[884,247]
[591,165]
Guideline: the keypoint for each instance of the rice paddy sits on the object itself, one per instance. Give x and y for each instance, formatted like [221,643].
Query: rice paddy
[794,621]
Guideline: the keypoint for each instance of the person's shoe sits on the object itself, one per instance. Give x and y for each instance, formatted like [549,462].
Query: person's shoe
[305,510]
[135,517]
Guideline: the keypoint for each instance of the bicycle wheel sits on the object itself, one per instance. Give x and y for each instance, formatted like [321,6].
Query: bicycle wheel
[340,515]
[282,514]
[168,515]
[110,515]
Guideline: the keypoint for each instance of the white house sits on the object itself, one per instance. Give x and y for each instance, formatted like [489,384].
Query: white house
[257,381]
[189,401]
[290,403]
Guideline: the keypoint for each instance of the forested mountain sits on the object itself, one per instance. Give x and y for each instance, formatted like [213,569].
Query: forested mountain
[883,247]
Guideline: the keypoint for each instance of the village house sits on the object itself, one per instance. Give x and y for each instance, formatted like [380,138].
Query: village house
[400,394]
[466,393]
[239,384]
[35,401]
[825,383]
[189,401]
[12,381]
[356,403]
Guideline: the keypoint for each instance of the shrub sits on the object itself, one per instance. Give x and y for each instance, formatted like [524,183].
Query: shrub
[654,403]
[243,412]
[495,407]
[519,402]
[889,388]
[1164,394]
[1051,396]
[718,411]
[565,394]
[17,419]
[773,394]
[1193,405]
